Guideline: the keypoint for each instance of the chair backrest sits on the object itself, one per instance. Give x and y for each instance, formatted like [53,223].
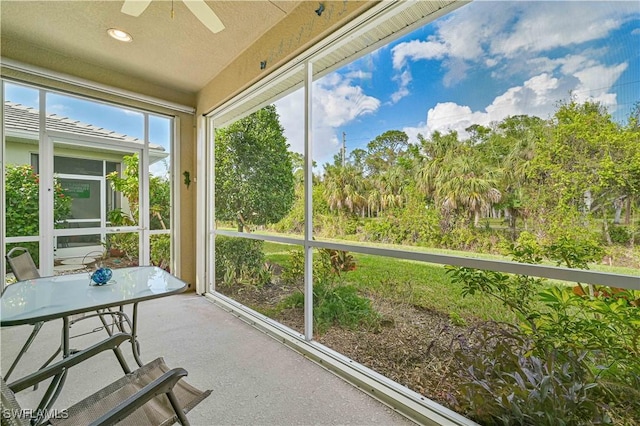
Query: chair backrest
[22,264]
[152,395]
[11,411]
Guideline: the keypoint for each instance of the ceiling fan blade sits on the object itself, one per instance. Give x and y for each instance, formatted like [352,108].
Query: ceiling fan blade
[134,7]
[205,15]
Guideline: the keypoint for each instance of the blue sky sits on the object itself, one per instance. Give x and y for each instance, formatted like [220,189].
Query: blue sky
[479,64]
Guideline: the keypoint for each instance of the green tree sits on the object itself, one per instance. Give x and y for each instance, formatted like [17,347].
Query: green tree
[620,167]
[159,209]
[383,151]
[514,142]
[254,171]
[344,188]
[434,153]
[22,197]
[467,183]
[23,201]
[129,183]
[456,177]
[567,185]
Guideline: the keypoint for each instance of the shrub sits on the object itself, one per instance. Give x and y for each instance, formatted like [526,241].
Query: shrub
[504,385]
[161,251]
[293,274]
[381,230]
[334,303]
[23,206]
[125,243]
[619,234]
[23,201]
[238,259]
[575,251]
[584,348]
[341,260]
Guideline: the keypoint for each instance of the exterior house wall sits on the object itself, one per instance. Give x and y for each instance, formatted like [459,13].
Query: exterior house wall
[18,152]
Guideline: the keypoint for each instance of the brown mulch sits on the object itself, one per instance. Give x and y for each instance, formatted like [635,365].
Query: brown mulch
[412,346]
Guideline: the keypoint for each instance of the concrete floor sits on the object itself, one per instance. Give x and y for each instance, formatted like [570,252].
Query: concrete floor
[255,379]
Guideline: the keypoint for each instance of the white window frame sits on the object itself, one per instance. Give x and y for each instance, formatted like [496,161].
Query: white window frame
[45,155]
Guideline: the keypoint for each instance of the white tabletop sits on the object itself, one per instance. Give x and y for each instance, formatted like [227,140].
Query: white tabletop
[47,298]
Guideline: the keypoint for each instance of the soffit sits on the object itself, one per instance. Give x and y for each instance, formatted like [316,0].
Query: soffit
[178,54]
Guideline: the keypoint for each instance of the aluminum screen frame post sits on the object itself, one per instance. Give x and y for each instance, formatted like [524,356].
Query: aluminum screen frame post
[308,203]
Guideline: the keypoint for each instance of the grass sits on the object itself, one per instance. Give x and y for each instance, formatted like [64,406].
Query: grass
[415,283]
[421,284]
[278,247]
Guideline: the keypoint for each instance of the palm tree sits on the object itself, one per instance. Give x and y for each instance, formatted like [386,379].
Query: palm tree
[435,154]
[521,133]
[344,188]
[467,184]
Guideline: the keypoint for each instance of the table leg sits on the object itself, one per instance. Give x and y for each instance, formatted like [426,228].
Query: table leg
[135,345]
[54,389]
[65,337]
[25,347]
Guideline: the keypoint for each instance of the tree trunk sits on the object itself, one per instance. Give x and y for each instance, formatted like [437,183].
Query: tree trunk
[627,213]
[240,222]
[588,200]
[512,222]
[605,226]
[618,204]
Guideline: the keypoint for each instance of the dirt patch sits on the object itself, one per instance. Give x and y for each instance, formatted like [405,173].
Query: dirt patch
[411,345]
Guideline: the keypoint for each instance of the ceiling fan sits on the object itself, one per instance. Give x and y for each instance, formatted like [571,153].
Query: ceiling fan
[198,7]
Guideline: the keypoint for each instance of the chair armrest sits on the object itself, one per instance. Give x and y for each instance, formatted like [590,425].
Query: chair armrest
[56,368]
[162,385]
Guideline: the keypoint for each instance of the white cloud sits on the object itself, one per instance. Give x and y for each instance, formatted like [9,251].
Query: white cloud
[403,90]
[536,96]
[358,75]
[446,117]
[559,24]
[596,81]
[415,50]
[584,78]
[492,33]
[336,102]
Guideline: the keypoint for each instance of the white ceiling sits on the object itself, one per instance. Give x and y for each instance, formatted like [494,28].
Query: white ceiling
[178,53]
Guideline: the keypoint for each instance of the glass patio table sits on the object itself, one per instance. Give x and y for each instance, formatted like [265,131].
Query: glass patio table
[60,297]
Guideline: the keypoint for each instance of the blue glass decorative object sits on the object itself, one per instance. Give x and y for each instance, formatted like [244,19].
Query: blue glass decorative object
[101,276]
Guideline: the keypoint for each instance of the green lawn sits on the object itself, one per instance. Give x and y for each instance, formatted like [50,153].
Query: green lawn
[417,283]
[421,284]
[404,281]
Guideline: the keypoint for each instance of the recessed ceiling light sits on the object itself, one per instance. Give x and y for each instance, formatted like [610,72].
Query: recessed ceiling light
[119,34]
